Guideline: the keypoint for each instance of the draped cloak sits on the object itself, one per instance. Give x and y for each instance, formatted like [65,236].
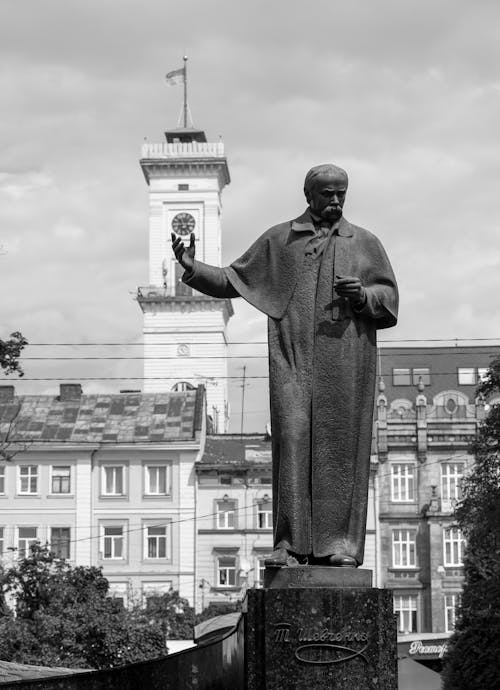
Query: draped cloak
[322,368]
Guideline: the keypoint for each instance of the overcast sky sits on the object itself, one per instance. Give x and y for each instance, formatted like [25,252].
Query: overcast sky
[404,95]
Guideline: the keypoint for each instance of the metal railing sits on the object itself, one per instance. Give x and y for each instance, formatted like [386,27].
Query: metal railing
[193,149]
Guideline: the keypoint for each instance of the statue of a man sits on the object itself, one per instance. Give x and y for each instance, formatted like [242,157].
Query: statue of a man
[326,286]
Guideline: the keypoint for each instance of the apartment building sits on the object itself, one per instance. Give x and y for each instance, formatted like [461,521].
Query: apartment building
[106,480]
[234,517]
[427,414]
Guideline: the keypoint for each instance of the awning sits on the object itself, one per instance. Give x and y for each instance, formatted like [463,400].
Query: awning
[415,676]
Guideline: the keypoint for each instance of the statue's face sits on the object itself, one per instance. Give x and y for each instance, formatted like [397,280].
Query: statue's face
[327,196]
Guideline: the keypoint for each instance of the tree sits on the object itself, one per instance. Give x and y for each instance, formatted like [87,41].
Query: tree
[10,443]
[64,617]
[473,661]
[213,610]
[174,615]
[10,352]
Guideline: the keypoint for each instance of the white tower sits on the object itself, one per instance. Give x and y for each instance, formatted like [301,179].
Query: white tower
[184,331]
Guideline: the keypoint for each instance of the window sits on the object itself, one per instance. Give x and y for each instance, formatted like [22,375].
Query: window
[452,474]
[453,547]
[61,480]
[401,377]
[2,479]
[113,484]
[259,479]
[409,377]
[261,569]
[153,591]
[469,376]
[118,591]
[225,514]
[156,542]
[226,571]
[182,187]
[182,386]
[404,548]
[423,373]
[466,376]
[27,536]
[28,479]
[402,482]
[481,373]
[405,608]
[60,539]
[265,515]
[156,480]
[451,604]
[112,542]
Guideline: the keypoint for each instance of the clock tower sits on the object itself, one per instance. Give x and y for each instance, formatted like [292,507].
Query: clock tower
[184,331]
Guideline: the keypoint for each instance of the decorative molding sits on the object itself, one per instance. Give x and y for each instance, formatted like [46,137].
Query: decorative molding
[189,167]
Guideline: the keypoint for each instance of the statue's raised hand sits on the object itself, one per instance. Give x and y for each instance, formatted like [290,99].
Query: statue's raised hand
[184,256]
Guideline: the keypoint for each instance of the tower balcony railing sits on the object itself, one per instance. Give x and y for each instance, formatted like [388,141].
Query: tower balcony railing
[194,149]
[153,293]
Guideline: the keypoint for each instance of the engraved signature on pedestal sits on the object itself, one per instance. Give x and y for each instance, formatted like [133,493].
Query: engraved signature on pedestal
[322,646]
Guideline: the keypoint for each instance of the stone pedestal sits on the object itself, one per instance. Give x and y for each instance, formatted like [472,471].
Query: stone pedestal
[320,637]
[317,576]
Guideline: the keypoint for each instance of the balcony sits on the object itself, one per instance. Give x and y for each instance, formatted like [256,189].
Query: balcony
[194,149]
[155,293]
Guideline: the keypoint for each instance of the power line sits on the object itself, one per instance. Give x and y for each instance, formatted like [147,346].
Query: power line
[141,358]
[166,523]
[133,378]
[221,357]
[256,342]
[237,509]
[190,376]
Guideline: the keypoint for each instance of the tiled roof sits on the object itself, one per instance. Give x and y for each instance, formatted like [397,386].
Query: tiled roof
[115,418]
[233,449]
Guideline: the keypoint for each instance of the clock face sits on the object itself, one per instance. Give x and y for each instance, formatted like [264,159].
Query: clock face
[183,224]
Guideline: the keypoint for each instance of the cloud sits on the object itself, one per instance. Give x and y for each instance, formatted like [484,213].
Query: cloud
[405,96]
[16,186]
[68,231]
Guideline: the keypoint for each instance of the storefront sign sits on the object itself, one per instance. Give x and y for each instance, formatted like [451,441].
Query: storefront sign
[418,648]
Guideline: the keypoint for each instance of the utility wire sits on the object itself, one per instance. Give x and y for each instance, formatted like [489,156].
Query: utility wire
[240,509]
[262,342]
[201,378]
[221,357]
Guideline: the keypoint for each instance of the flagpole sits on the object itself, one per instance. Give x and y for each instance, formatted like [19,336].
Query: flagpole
[185,92]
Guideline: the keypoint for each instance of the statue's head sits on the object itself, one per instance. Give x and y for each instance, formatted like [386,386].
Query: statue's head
[325,188]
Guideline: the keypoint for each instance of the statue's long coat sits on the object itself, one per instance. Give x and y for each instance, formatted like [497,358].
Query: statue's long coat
[322,367]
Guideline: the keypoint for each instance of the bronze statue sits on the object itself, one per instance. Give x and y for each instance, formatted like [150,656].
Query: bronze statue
[326,286]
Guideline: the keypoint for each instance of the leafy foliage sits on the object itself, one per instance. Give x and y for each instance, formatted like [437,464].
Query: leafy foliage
[173,614]
[213,610]
[473,661]
[64,617]
[10,352]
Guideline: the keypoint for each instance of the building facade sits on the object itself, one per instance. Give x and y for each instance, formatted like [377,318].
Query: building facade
[234,517]
[427,415]
[184,331]
[105,480]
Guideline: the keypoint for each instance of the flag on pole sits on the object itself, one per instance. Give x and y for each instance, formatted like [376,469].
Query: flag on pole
[178,76]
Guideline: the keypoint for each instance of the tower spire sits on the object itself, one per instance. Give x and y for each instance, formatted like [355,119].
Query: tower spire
[185,92]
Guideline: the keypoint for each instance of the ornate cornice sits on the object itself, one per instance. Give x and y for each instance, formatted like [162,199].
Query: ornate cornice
[155,301]
[154,168]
